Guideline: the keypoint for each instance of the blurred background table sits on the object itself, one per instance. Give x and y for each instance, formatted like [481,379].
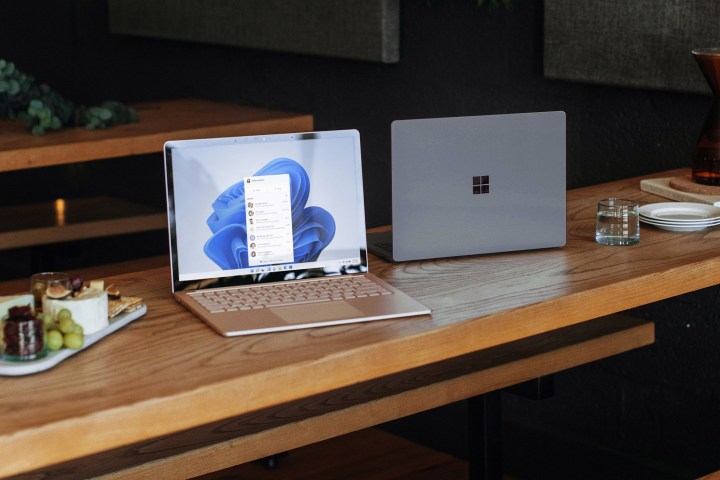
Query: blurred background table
[71,219]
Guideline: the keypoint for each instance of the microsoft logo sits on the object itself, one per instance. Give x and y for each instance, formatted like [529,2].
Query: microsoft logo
[481,184]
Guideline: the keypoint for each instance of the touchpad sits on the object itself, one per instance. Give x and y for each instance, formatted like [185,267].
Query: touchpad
[323,312]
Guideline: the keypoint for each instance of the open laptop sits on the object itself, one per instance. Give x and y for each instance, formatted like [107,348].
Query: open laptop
[273,216]
[475,185]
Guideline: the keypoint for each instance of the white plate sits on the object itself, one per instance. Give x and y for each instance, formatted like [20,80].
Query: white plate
[705,223]
[674,227]
[53,358]
[679,212]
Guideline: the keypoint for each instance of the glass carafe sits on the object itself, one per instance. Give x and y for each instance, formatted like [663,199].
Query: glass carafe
[706,158]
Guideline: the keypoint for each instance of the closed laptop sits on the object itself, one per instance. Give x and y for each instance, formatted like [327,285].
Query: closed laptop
[476,185]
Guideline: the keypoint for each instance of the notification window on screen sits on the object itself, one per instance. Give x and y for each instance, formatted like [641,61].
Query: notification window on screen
[268,216]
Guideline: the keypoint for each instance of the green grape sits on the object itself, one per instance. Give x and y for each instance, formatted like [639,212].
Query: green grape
[73,341]
[78,329]
[67,325]
[54,340]
[63,313]
[48,321]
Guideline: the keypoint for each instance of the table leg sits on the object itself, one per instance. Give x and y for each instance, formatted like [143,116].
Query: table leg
[273,461]
[485,437]
[485,426]
[537,389]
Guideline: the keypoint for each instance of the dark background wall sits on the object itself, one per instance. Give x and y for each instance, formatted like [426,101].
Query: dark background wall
[652,413]
[455,59]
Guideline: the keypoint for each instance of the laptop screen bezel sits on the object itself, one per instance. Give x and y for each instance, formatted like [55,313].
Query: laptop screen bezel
[297,273]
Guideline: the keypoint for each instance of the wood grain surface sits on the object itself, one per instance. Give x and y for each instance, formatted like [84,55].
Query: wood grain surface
[254,435]
[168,372]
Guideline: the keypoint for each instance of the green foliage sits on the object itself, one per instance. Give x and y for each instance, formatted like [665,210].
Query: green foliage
[15,88]
[106,115]
[43,109]
[47,110]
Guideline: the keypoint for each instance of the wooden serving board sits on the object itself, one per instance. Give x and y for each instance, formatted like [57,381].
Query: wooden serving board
[662,188]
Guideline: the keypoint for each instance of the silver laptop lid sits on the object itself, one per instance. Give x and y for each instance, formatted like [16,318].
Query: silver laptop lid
[481,184]
[264,208]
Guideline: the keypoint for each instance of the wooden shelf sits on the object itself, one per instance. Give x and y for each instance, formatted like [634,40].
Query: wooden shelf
[159,122]
[75,219]
[38,224]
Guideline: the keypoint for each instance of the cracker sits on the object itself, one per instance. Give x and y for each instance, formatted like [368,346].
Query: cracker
[132,301]
[116,306]
[132,308]
[112,291]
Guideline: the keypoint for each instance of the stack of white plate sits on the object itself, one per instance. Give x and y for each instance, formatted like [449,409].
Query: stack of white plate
[680,216]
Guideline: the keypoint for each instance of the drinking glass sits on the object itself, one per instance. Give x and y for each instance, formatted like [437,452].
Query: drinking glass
[618,222]
[40,282]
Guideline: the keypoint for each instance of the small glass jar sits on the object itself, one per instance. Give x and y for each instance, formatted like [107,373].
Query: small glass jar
[23,335]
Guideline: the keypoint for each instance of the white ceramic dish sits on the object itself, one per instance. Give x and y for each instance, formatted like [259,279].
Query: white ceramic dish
[670,222]
[705,223]
[674,227]
[53,358]
[679,212]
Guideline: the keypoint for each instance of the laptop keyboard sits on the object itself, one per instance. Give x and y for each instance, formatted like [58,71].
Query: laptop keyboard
[287,294]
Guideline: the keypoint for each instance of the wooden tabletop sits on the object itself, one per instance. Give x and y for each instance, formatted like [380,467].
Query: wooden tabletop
[168,372]
[159,122]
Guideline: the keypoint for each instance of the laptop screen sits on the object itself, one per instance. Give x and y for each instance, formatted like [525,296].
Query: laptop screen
[264,208]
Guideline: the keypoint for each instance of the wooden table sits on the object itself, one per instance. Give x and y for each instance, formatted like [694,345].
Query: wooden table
[82,218]
[166,397]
